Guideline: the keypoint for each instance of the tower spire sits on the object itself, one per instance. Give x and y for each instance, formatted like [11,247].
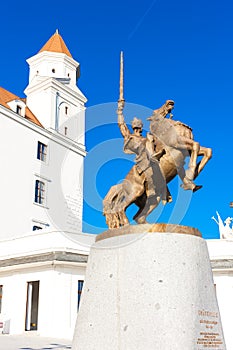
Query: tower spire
[56,44]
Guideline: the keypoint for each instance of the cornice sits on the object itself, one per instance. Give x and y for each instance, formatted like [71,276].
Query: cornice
[52,135]
[54,83]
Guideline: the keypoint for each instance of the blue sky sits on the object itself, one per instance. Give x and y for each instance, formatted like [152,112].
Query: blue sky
[180,50]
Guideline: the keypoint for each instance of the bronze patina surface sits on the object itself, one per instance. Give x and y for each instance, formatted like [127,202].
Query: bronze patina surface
[144,228]
[160,157]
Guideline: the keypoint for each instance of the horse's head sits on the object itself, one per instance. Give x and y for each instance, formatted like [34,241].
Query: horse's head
[169,107]
[160,126]
[163,111]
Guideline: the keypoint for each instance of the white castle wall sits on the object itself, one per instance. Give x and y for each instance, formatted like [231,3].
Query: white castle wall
[62,174]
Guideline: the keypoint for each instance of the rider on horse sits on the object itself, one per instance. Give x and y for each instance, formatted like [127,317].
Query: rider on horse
[147,157]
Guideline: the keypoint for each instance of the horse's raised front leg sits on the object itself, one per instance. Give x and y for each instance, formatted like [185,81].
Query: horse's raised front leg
[207,155]
[194,147]
[187,176]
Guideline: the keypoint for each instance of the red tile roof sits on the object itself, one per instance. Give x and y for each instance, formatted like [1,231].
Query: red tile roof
[7,96]
[56,44]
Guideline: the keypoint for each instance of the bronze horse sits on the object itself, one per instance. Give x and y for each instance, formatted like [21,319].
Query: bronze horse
[173,142]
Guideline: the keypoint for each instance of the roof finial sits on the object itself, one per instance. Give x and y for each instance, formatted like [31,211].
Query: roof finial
[57,31]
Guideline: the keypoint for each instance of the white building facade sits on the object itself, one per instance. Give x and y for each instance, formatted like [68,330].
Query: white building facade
[41,279]
[42,144]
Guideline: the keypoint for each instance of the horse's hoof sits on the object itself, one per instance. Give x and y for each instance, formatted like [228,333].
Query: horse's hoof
[141,221]
[188,186]
[197,187]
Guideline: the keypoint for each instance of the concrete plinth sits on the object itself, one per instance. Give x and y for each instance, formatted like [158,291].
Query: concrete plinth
[151,291]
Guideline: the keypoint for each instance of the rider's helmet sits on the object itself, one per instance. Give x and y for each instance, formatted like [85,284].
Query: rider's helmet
[136,123]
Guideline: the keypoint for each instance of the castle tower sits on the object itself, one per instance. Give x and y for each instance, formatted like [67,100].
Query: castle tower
[52,93]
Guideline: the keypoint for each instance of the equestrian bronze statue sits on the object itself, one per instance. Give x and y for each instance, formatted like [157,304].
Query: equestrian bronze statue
[160,156]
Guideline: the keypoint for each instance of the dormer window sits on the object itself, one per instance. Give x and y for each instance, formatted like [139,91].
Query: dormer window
[18,110]
[18,106]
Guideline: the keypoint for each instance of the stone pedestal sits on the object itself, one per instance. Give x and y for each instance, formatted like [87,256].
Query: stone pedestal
[149,291]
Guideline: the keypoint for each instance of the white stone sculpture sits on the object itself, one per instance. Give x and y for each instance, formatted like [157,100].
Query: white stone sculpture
[226,231]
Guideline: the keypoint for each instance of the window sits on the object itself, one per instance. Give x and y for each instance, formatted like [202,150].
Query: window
[39,192]
[35,228]
[1,288]
[65,130]
[53,70]
[66,110]
[80,287]
[18,110]
[41,151]
[38,224]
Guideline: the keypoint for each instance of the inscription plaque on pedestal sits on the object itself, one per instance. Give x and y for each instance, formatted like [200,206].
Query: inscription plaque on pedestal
[209,336]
